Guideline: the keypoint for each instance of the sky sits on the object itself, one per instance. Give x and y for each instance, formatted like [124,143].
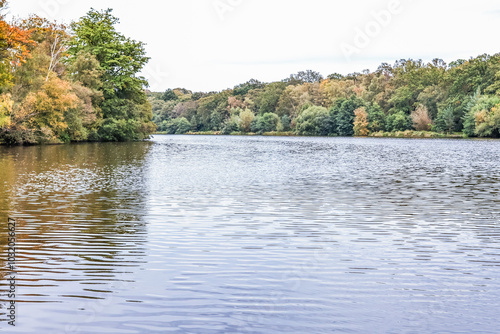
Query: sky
[212,45]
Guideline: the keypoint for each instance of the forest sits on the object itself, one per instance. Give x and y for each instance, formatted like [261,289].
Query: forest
[411,96]
[81,82]
[61,84]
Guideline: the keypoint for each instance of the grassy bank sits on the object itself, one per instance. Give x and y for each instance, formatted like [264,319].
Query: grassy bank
[416,134]
[219,133]
[397,134]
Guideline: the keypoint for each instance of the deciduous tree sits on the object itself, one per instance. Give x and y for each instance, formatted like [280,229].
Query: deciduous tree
[361,122]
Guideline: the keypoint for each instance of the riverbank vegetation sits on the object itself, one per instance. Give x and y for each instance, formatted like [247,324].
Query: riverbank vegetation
[68,84]
[408,99]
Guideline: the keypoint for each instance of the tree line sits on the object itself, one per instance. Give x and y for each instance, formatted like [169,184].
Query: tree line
[460,97]
[72,83]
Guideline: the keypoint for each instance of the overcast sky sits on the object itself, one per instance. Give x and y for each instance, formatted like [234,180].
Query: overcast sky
[211,45]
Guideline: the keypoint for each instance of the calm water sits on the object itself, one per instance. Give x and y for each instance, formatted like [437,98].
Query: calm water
[254,235]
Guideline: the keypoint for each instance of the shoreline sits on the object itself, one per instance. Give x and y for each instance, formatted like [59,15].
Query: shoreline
[399,134]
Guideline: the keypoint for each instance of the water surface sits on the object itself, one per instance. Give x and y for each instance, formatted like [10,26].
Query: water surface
[195,234]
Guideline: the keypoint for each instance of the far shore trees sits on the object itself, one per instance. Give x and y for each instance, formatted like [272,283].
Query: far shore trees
[460,97]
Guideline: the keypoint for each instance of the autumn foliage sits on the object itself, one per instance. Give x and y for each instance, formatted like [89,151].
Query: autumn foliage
[53,90]
[462,96]
[421,119]
[15,44]
[361,122]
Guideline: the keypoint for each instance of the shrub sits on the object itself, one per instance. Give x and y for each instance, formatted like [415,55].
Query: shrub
[183,126]
[314,121]
[398,122]
[176,126]
[230,126]
[265,123]
[118,130]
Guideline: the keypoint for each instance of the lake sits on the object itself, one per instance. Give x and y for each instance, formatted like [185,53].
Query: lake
[209,234]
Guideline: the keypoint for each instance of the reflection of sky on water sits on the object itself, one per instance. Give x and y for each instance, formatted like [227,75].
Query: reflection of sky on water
[259,235]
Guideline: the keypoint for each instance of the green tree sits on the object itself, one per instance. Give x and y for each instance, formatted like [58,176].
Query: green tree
[343,113]
[302,77]
[376,118]
[244,88]
[177,126]
[265,123]
[477,73]
[314,121]
[169,95]
[267,101]
[125,107]
[398,122]
[403,99]
[217,103]
[183,126]
[286,123]
[216,121]
[445,120]
[468,114]
[230,126]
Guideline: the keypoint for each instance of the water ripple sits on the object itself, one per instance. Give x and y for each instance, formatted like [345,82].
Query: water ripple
[192,234]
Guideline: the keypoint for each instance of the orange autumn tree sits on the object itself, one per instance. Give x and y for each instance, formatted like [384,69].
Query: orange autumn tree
[15,44]
[55,91]
[44,101]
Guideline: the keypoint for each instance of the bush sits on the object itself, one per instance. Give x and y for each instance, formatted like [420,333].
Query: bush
[230,126]
[183,126]
[314,121]
[176,126]
[398,122]
[118,130]
[265,123]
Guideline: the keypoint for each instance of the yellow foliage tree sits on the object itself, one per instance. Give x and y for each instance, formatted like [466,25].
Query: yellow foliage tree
[333,90]
[488,122]
[6,105]
[246,118]
[43,111]
[361,122]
